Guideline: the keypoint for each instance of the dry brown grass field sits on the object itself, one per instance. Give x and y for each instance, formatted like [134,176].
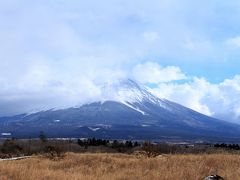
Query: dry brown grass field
[122,167]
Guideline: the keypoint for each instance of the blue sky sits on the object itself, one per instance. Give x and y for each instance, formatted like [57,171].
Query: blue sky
[58,52]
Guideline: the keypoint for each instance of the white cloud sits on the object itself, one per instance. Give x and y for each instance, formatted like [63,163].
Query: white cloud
[235,41]
[219,100]
[40,83]
[151,36]
[198,45]
[187,94]
[150,72]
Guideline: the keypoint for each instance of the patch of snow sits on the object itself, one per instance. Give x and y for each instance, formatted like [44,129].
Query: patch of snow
[129,92]
[15,158]
[94,129]
[6,134]
[34,111]
[104,126]
[145,125]
[136,109]
[122,91]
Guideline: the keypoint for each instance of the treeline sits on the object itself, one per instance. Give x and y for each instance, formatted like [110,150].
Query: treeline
[10,146]
[227,146]
[54,148]
[107,143]
[14,148]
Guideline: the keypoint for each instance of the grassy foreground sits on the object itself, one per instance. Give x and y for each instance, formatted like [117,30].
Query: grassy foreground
[122,167]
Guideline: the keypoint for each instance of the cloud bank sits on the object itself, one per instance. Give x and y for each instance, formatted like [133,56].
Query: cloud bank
[57,54]
[217,100]
[154,73]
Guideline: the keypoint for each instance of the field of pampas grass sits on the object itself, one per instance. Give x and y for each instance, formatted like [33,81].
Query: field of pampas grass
[122,167]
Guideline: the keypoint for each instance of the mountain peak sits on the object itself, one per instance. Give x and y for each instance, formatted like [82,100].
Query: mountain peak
[121,83]
[124,91]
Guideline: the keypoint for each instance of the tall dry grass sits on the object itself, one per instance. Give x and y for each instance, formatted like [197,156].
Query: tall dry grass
[122,167]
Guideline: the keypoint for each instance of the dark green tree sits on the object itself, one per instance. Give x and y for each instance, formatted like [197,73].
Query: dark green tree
[42,137]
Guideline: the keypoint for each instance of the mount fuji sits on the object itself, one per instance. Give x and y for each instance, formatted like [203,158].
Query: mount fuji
[125,111]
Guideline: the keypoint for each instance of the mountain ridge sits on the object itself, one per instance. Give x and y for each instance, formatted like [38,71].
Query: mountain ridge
[127,111]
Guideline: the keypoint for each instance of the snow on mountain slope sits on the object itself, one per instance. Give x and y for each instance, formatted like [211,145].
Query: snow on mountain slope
[130,94]
[122,91]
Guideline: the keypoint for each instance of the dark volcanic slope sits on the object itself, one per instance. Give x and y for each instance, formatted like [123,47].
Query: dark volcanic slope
[128,112]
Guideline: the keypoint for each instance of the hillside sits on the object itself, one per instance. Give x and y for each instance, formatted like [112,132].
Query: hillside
[126,111]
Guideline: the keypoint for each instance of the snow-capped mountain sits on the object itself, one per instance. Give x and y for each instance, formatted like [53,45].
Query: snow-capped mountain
[130,94]
[126,111]
[125,91]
